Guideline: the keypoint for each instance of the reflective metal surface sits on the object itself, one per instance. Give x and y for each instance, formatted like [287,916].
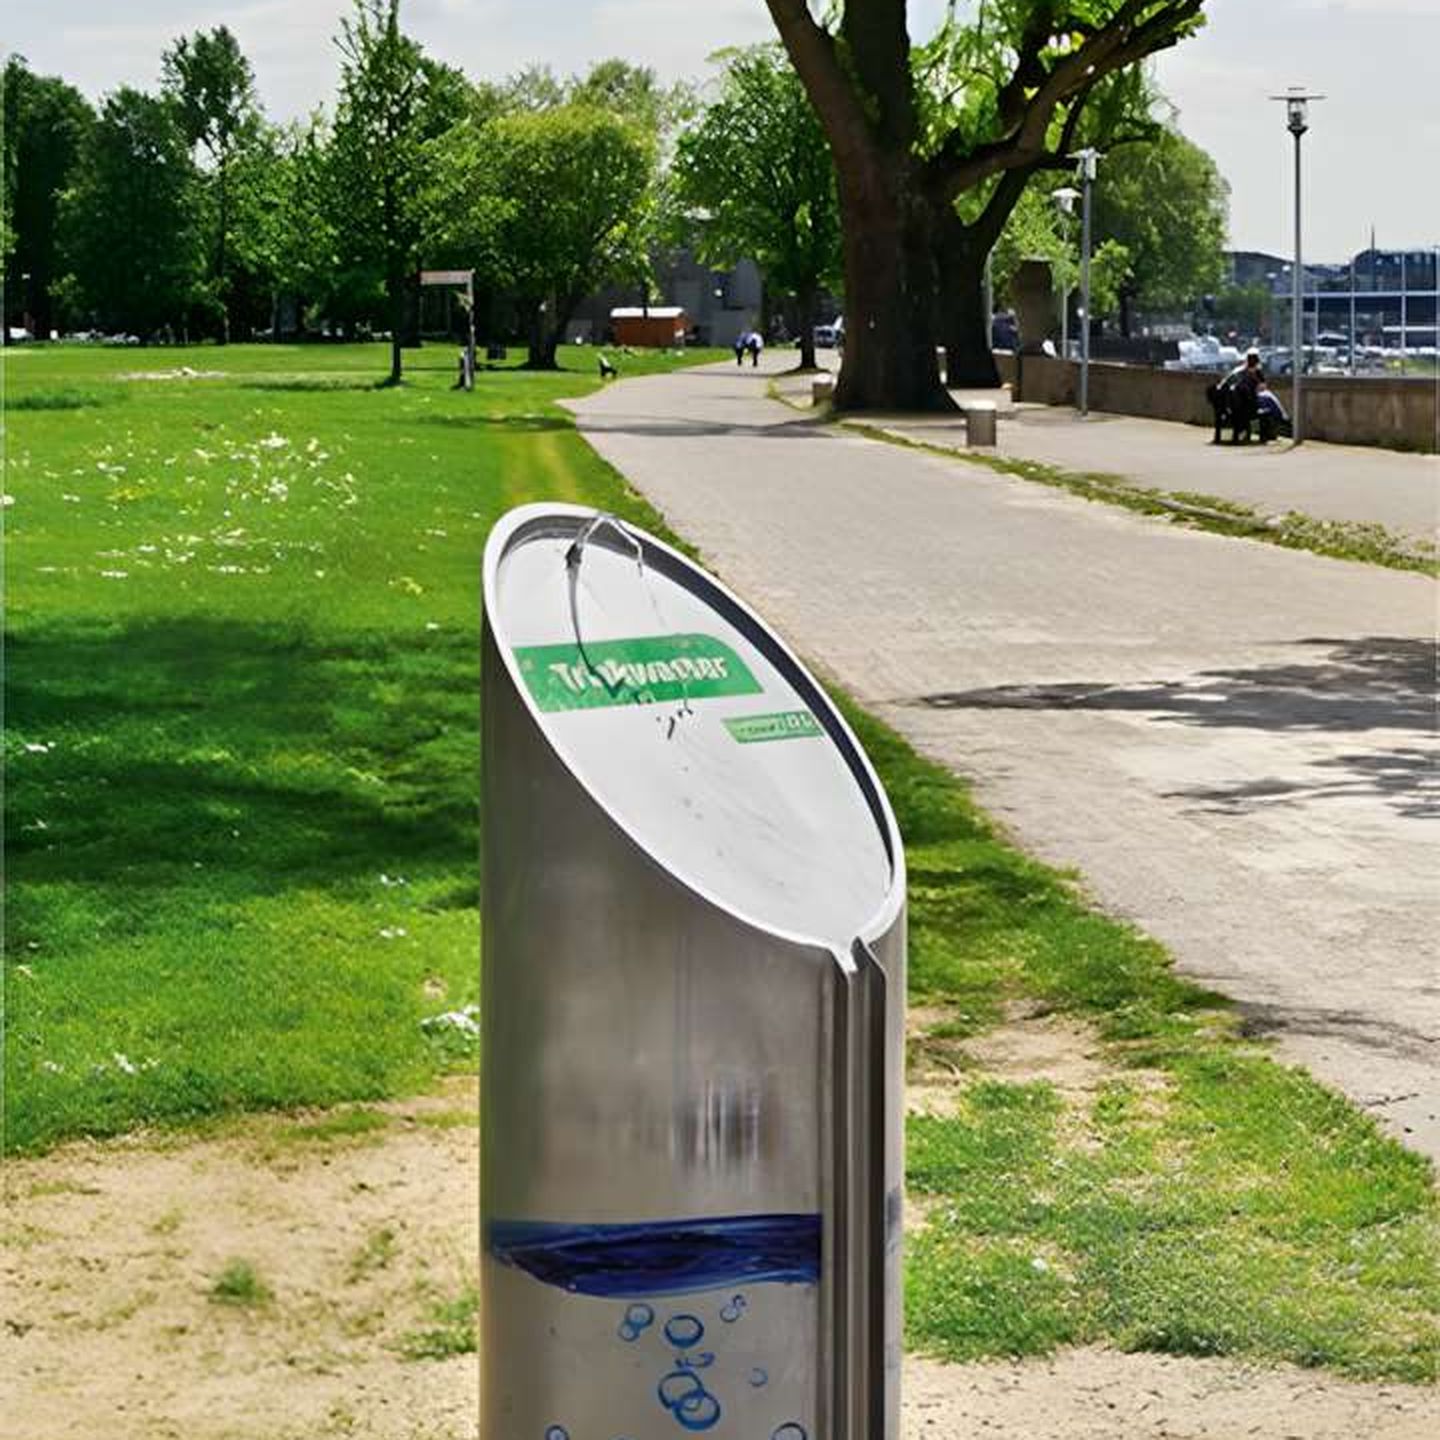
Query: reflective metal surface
[691,1118]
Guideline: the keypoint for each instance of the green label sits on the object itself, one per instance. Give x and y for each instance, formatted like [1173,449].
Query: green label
[645,671]
[782,725]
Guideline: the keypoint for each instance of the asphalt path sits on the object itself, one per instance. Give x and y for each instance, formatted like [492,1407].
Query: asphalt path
[1233,743]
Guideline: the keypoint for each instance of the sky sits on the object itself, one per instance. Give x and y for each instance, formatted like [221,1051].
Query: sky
[1371,156]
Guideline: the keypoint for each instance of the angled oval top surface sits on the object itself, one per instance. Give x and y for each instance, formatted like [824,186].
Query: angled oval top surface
[690,723]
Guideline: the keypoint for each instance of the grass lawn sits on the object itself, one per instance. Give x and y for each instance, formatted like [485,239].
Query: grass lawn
[242,697]
[242,705]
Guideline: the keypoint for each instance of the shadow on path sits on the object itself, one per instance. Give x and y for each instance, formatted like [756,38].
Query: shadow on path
[1378,684]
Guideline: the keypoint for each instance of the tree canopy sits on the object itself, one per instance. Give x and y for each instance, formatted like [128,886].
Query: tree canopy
[903,162]
[129,218]
[1166,204]
[755,173]
[46,126]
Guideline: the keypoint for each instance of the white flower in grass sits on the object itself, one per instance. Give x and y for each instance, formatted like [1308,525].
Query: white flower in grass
[125,1063]
[273,442]
[7,501]
[115,574]
[51,1067]
[393,932]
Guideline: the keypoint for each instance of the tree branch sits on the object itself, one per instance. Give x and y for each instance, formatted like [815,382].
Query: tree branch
[813,53]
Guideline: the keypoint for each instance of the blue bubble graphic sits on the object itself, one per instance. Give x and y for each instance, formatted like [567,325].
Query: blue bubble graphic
[702,1361]
[733,1309]
[792,1430]
[628,1332]
[758,1377]
[699,1411]
[640,1316]
[678,1386]
[683,1331]
[557,1432]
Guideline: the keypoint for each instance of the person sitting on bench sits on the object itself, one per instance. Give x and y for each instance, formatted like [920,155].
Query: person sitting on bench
[1273,419]
[1233,399]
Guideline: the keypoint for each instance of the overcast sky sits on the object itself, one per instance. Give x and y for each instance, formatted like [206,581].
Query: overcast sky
[1372,154]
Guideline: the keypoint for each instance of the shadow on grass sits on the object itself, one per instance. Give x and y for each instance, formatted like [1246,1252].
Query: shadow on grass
[485,424]
[272,758]
[303,383]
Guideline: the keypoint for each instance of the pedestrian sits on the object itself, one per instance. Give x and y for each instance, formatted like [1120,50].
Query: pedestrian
[742,341]
[754,344]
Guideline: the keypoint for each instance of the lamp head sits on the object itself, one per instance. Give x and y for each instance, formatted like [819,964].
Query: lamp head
[1065,197]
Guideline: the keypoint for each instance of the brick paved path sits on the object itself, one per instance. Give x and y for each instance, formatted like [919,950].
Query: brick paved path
[1235,744]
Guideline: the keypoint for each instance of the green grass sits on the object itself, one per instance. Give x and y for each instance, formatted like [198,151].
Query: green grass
[240,1286]
[454,1329]
[1212,1201]
[242,699]
[241,794]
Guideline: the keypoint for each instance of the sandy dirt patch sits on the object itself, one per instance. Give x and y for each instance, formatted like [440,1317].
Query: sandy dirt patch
[110,1251]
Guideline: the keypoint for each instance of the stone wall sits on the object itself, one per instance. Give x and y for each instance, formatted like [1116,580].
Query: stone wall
[1393,413]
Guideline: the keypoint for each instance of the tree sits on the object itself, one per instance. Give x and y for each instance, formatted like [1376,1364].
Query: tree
[392,101]
[1166,203]
[46,123]
[128,223]
[757,168]
[964,71]
[213,88]
[547,202]
[898,177]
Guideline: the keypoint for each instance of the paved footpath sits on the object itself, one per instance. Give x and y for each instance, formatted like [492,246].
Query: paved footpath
[1234,743]
[1331,482]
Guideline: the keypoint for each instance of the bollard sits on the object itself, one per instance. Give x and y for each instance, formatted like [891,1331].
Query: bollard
[822,388]
[692,1000]
[979,423]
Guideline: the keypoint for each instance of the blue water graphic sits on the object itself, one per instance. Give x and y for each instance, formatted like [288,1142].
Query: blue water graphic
[663,1257]
[683,1331]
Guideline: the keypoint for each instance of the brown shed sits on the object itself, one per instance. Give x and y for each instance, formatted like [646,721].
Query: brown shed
[659,325]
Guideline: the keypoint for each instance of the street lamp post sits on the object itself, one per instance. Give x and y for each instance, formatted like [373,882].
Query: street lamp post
[1296,122]
[1087,159]
[1065,199]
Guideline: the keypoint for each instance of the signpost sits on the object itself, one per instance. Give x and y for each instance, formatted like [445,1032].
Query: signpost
[467,279]
[692,996]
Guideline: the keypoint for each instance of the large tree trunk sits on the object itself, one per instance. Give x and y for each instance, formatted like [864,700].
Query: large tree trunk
[542,340]
[395,285]
[964,325]
[805,304]
[1127,310]
[890,291]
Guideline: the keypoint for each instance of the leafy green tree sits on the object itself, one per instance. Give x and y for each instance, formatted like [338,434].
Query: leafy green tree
[902,165]
[1166,203]
[129,233]
[756,167]
[393,100]
[547,204]
[213,88]
[46,123]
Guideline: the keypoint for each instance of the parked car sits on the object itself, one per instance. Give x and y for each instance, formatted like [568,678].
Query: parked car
[831,335]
